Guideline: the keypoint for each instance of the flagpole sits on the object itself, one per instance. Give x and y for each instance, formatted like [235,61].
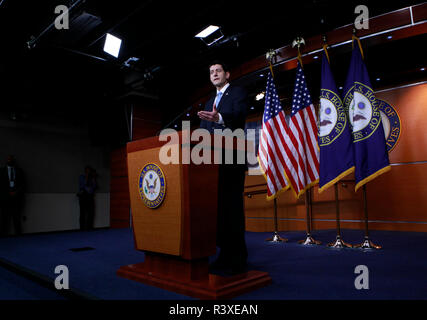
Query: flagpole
[309,239]
[367,243]
[276,238]
[362,146]
[308,205]
[307,211]
[339,243]
[310,201]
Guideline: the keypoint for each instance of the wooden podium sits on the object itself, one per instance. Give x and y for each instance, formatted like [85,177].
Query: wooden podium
[180,234]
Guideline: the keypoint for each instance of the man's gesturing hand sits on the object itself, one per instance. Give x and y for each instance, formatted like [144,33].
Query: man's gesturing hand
[209,115]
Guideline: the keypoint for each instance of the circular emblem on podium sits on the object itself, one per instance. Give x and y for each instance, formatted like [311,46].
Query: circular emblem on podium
[152,185]
[391,123]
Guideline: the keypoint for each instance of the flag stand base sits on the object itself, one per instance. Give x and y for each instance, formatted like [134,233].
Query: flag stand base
[276,238]
[339,243]
[367,244]
[309,241]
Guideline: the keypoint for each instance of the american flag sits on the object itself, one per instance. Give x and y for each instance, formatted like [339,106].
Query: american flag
[302,167]
[271,152]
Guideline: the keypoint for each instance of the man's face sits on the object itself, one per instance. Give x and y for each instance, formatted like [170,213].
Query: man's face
[219,77]
[10,161]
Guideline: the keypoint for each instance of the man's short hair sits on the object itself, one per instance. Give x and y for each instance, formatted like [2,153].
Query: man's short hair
[224,66]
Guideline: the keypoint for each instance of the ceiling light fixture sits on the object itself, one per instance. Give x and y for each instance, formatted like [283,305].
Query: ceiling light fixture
[112,45]
[130,61]
[210,35]
[207,31]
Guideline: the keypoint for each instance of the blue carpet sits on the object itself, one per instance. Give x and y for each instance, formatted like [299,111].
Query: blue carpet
[398,271]
[395,272]
[15,287]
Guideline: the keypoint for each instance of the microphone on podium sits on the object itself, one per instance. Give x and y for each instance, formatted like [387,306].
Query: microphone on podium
[177,117]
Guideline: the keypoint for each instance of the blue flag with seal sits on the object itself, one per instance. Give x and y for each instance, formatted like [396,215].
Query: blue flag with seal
[370,151]
[334,136]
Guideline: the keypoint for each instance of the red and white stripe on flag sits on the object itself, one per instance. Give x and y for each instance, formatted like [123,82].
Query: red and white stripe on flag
[272,155]
[271,152]
[302,165]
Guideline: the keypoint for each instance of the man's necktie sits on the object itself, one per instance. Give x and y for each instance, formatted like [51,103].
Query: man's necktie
[217,99]
[12,178]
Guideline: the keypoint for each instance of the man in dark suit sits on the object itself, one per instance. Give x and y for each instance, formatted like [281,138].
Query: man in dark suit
[11,195]
[87,187]
[227,110]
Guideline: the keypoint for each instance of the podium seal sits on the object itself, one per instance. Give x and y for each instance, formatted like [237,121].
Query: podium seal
[152,185]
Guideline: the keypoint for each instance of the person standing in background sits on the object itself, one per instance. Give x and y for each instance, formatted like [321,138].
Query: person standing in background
[11,195]
[87,186]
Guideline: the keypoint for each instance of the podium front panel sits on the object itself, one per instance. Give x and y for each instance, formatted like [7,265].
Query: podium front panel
[159,229]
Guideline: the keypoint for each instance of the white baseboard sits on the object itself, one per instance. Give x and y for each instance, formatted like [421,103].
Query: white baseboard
[47,212]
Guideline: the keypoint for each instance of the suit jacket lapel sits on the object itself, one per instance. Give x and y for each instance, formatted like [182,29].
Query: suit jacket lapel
[223,98]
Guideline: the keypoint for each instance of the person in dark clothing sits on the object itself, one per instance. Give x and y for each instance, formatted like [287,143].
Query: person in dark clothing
[87,186]
[11,195]
[227,110]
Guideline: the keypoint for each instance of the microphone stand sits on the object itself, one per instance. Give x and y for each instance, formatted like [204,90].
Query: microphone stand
[177,117]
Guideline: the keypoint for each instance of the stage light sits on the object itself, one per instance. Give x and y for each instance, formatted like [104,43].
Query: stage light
[378,79]
[259,96]
[210,35]
[422,69]
[389,37]
[207,31]
[112,45]
[316,57]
